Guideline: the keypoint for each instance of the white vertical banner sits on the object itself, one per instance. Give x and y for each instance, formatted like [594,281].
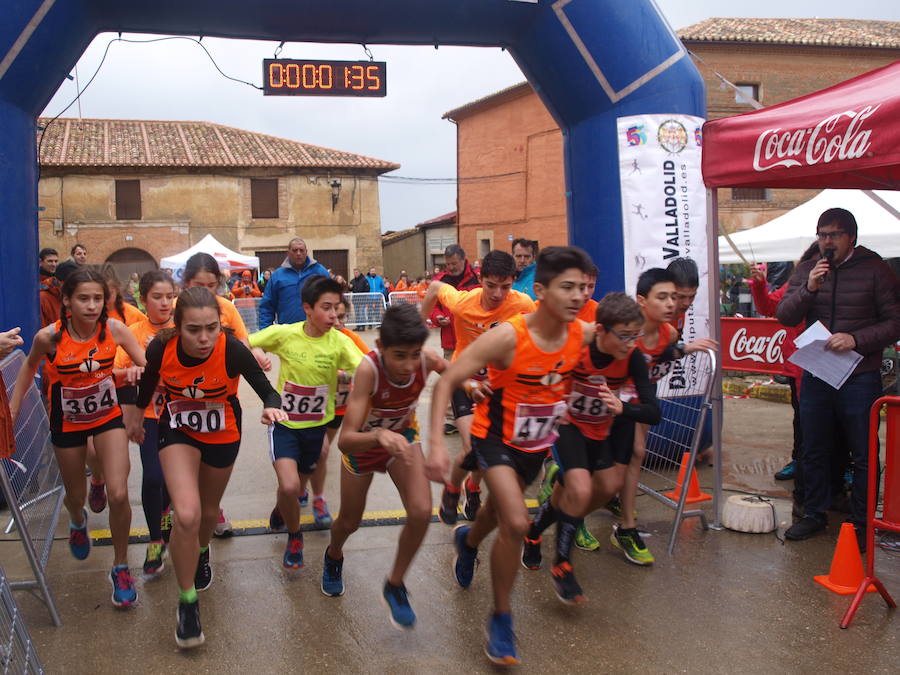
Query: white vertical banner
[664,202]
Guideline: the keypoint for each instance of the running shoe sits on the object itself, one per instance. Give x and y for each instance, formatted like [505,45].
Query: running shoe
[154,561]
[303,499]
[501,641]
[787,472]
[631,544]
[531,553]
[448,512]
[321,515]
[79,540]
[332,576]
[276,522]
[551,468]
[165,524]
[466,559]
[449,430]
[473,503]
[397,600]
[97,497]
[124,593]
[293,552]
[204,575]
[188,632]
[585,540]
[223,526]
[567,588]
[614,506]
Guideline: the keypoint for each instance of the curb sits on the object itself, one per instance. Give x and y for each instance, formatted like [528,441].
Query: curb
[738,388]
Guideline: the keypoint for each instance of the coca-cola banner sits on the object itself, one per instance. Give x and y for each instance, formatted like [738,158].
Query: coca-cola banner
[753,345]
[664,208]
[847,132]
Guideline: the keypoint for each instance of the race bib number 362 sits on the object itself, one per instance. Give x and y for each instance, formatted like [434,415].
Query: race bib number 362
[199,416]
[303,403]
[534,427]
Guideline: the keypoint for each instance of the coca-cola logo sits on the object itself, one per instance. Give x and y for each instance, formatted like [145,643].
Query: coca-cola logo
[824,142]
[759,348]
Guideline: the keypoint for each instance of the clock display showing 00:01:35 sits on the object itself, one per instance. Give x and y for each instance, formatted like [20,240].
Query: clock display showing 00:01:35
[291,77]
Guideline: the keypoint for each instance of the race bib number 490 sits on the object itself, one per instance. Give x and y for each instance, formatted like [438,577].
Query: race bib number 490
[534,427]
[304,403]
[198,416]
[82,405]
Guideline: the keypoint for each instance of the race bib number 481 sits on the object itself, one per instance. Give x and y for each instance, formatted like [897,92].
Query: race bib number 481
[304,403]
[198,416]
[586,404]
[82,405]
[534,427]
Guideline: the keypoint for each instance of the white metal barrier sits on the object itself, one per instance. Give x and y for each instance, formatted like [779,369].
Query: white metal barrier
[405,298]
[248,308]
[17,653]
[366,310]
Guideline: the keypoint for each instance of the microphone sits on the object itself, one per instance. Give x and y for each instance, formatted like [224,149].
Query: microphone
[829,256]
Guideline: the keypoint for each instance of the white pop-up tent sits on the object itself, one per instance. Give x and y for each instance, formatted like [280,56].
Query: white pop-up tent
[227,259]
[786,237]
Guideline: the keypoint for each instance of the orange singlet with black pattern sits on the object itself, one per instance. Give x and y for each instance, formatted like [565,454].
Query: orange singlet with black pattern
[82,387]
[658,369]
[201,400]
[587,411]
[528,399]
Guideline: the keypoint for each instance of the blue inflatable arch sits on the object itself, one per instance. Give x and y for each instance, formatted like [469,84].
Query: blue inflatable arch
[590,61]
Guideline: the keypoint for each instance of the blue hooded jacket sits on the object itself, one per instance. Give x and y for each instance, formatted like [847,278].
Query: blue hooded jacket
[525,281]
[281,299]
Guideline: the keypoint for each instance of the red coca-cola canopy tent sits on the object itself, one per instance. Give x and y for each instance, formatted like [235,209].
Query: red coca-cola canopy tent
[846,136]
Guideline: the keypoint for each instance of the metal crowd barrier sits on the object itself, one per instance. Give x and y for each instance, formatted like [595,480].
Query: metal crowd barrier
[405,298]
[32,485]
[684,397]
[248,308]
[17,653]
[366,310]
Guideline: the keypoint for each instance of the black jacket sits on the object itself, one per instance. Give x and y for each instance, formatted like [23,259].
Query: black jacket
[359,284]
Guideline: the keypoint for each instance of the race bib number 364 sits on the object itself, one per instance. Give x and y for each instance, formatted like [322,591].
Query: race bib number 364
[82,405]
[534,427]
[198,416]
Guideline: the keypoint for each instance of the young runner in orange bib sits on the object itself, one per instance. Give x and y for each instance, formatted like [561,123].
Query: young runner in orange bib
[380,434]
[79,351]
[529,361]
[198,364]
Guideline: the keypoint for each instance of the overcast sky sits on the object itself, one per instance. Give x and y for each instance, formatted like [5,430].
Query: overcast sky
[174,80]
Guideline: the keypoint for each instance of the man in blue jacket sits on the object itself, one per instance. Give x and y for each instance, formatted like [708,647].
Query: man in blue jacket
[525,253]
[281,299]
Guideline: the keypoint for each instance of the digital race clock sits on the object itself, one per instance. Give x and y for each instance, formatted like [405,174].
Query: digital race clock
[293,77]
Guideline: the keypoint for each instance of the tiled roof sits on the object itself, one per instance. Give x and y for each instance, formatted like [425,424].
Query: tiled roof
[391,236]
[814,32]
[446,219]
[509,92]
[154,143]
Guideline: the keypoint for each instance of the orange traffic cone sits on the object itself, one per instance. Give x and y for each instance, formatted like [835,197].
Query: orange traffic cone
[694,495]
[846,566]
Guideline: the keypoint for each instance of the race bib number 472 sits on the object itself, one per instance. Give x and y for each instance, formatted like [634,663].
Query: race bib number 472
[534,427]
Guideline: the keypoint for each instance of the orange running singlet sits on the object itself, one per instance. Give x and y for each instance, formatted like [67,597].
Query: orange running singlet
[588,313]
[201,400]
[343,390]
[144,332]
[529,397]
[657,369]
[470,319]
[82,387]
[587,411]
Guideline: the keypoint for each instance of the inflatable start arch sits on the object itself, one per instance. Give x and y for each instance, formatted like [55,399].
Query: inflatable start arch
[590,61]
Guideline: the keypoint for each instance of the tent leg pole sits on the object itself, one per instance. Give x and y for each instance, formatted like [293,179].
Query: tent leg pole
[715,332]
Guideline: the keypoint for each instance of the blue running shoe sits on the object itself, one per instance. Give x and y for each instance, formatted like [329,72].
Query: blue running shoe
[79,540]
[332,578]
[466,558]
[124,593]
[321,514]
[303,499]
[293,552]
[787,472]
[397,600]
[501,642]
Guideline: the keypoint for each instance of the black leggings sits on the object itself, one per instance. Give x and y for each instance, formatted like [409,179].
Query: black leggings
[154,496]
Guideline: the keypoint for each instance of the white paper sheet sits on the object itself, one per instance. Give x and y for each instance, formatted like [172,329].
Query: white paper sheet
[828,365]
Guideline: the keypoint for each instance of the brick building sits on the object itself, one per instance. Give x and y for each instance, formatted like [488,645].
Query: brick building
[510,166]
[134,191]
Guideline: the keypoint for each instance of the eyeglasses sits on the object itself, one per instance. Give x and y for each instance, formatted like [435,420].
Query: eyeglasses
[627,339]
[833,235]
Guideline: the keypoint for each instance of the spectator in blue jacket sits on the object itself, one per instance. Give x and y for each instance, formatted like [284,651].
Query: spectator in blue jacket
[525,253]
[281,299]
[376,282]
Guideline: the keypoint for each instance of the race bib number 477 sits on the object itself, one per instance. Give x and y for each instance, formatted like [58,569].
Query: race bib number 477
[534,427]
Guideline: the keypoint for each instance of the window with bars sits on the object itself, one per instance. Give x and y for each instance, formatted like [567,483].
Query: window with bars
[128,200]
[264,197]
[749,194]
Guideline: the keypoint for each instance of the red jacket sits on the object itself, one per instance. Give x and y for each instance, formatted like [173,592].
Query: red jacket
[766,303]
[50,299]
[466,282]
